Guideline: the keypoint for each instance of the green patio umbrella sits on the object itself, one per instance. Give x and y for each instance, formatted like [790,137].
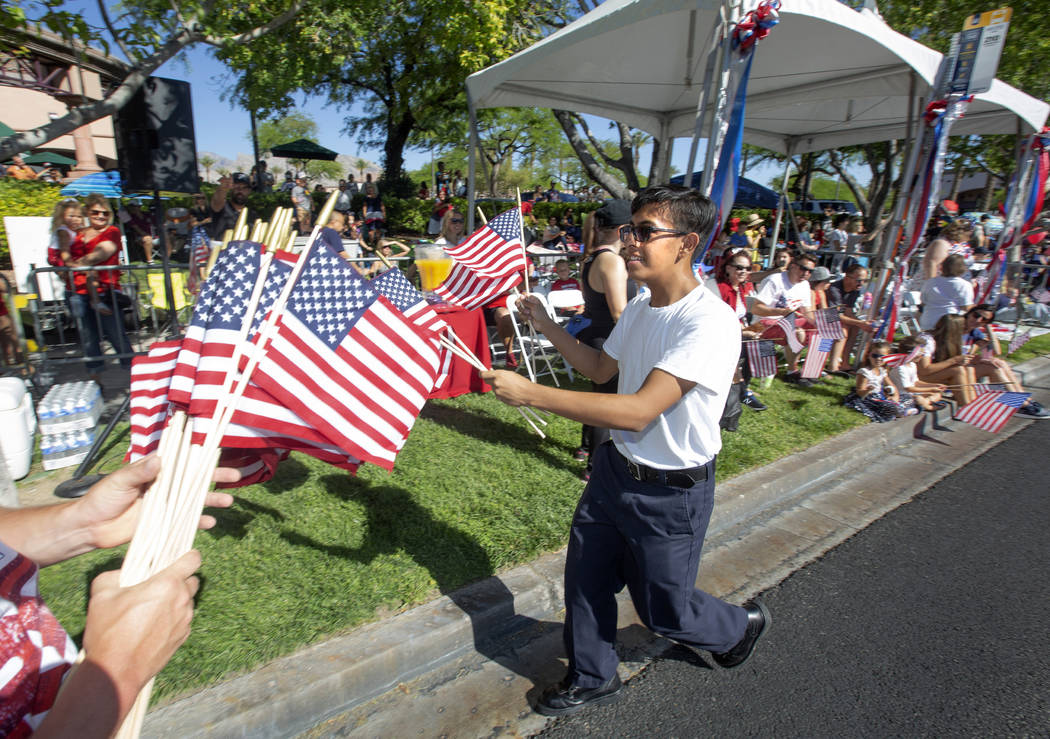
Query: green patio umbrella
[303,149]
[6,130]
[40,157]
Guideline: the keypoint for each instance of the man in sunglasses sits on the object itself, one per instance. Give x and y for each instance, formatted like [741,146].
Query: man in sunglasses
[643,515]
[846,294]
[783,294]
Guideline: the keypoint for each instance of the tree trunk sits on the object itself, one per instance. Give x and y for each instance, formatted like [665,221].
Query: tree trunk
[609,183]
[394,147]
[989,191]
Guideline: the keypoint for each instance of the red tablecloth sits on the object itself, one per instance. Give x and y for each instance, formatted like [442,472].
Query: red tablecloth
[469,325]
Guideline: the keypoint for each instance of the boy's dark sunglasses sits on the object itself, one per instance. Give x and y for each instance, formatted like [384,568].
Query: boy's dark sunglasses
[641,234]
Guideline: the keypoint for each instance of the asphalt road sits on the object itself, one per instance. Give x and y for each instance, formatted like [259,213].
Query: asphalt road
[930,622]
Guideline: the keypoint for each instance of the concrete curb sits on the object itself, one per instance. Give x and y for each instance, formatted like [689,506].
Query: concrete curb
[294,693]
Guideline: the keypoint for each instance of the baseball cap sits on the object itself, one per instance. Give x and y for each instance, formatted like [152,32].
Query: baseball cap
[820,274]
[241,178]
[613,213]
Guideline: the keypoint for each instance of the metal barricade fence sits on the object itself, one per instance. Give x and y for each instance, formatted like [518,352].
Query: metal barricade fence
[74,327]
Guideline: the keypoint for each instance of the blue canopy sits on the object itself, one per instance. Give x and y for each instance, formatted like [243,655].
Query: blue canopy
[749,193]
[106,184]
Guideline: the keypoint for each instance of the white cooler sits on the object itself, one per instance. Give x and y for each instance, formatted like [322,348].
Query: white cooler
[18,423]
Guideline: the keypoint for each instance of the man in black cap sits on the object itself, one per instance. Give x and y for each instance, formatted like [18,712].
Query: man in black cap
[227,202]
[603,277]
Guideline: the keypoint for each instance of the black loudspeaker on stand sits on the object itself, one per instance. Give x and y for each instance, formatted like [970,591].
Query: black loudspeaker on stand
[156,147]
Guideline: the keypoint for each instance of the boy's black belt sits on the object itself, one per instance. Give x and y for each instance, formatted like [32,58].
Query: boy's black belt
[675,478]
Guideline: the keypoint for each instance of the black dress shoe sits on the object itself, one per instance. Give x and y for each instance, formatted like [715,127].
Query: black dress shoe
[758,620]
[565,698]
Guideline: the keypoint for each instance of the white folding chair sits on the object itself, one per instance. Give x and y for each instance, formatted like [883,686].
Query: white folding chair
[908,320]
[564,299]
[532,347]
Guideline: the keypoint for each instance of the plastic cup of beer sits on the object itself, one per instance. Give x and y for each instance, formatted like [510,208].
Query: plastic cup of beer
[433,265]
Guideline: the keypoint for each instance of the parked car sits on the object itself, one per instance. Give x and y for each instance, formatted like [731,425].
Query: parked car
[818,206]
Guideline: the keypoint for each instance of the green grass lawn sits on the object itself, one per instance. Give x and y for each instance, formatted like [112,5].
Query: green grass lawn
[315,552]
[1037,347]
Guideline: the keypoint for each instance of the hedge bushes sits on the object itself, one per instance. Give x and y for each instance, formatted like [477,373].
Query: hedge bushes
[23,198]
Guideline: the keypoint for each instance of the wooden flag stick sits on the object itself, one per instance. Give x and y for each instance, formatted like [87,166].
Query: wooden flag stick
[481,214]
[521,228]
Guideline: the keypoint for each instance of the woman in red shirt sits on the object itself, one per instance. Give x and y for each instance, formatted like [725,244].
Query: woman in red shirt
[97,245]
[733,276]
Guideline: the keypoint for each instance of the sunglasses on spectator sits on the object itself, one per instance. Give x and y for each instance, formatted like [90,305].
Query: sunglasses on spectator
[803,270]
[455,220]
[642,234]
[878,356]
[99,212]
[741,267]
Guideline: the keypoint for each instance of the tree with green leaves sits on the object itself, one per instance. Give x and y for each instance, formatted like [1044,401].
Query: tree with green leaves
[399,67]
[148,33]
[207,162]
[286,128]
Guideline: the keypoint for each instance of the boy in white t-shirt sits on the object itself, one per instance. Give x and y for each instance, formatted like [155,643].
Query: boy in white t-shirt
[643,515]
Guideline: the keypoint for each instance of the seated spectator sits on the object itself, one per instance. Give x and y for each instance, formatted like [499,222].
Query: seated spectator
[987,357]
[845,294]
[453,228]
[1009,303]
[803,227]
[19,170]
[139,228]
[781,259]
[819,280]
[786,294]
[734,286]
[570,227]
[130,632]
[875,394]
[390,250]
[943,360]
[565,281]
[948,293]
[553,236]
[332,235]
[925,395]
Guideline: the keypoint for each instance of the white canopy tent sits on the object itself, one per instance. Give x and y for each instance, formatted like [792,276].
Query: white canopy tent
[826,76]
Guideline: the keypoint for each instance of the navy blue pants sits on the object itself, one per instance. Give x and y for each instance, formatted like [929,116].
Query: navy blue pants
[648,537]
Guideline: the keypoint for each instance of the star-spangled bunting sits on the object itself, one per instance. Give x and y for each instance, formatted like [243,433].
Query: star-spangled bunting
[347,361]
[829,324]
[495,249]
[819,347]
[992,409]
[762,357]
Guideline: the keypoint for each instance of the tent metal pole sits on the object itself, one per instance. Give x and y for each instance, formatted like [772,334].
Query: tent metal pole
[666,145]
[702,102]
[721,73]
[471,163]
[782,199]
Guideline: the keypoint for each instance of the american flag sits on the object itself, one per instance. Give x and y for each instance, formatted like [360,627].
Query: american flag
[988,387]
[398,290]
[495,249]
[1018,341]
[829,325]
[469,290]
[225,293]
[149,409]
[762,356]
[899,360]
[816,356]
[787,325]
[347,361]
[992,409]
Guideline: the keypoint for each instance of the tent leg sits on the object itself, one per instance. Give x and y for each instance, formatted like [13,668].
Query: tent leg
[781,201]
[472,164]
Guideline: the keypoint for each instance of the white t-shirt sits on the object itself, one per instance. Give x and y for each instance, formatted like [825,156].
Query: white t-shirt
[905,376]
[941,296]
[696,339]
[776,291]
[837,240]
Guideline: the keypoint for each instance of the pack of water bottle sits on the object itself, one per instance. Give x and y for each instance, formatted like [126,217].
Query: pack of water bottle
[69,407]
[65,449]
